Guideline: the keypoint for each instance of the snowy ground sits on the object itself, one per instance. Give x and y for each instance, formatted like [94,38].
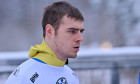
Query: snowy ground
[83,52]
[105,52]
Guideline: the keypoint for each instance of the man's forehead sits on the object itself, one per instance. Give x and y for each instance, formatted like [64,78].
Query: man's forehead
[65,17]
[71,23]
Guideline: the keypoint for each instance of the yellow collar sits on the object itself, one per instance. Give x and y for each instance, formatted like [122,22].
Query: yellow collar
[45,54]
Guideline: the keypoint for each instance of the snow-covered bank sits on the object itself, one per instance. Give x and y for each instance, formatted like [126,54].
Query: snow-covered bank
[83,52]
[105,52]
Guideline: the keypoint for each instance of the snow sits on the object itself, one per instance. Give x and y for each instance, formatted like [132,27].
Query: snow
[13,55]
[84,51]
[105,52]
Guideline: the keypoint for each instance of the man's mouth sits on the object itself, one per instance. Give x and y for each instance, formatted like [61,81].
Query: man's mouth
[76,48]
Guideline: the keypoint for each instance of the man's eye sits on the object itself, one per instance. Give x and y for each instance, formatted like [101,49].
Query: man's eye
[72,31]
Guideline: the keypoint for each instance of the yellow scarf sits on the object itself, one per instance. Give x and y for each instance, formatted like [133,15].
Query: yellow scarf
[45,54]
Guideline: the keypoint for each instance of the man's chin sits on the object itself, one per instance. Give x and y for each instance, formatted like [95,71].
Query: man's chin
[73,56]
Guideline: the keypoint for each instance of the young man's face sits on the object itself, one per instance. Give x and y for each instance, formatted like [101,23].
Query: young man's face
[67,40]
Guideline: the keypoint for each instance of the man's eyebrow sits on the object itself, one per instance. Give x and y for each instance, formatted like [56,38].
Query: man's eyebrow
[82,30]
[76,29]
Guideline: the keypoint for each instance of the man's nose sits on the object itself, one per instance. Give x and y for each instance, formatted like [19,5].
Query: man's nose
[79,37]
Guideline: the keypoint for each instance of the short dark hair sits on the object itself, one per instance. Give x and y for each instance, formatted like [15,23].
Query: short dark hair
[55,12]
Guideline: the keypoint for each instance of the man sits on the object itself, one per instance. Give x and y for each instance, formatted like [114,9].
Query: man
[62,27]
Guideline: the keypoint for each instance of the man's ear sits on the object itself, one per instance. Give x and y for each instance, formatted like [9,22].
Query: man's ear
[49,31]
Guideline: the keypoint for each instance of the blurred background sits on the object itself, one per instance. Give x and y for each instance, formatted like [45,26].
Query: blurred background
[110,52]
